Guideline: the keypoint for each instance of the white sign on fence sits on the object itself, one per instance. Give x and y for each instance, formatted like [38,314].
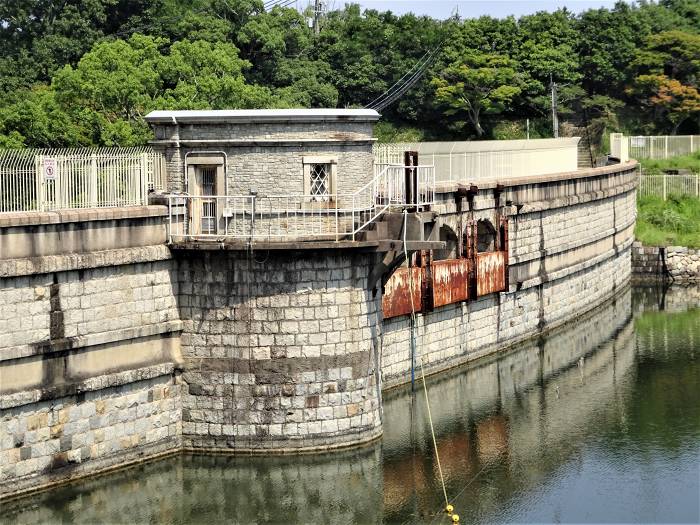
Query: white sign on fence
[49,168]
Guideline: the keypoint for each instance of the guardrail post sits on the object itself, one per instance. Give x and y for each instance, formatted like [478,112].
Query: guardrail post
[170,219]
[354,227]
[336,219]
[664,182]
[253,196]
[58,200]
[143,182]
[39,179]
[93,180]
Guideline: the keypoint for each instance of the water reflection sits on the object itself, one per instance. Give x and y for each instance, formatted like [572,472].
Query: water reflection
[598,422]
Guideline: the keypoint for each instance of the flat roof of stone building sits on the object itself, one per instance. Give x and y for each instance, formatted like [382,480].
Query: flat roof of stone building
[262,115]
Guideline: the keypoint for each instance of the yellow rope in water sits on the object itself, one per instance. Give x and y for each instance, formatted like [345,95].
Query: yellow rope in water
[448,507]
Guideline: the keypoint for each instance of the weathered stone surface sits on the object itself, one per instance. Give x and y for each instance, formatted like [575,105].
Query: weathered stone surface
[243,324]
[677,263]
[32,450]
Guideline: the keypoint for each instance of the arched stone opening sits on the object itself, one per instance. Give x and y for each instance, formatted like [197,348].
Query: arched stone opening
[449,237]
[485,236]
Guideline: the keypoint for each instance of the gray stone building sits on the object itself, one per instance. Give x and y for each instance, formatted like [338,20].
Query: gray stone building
[314,152]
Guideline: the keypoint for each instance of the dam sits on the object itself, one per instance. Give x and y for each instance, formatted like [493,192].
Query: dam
[262,281]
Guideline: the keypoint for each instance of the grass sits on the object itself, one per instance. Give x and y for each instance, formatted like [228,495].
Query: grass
[674,222]
[691,162]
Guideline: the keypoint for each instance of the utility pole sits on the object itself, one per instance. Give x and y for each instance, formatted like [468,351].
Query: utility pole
[555,119]
[319,10]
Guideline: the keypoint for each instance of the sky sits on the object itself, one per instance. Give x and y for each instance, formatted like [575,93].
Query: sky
[475,8]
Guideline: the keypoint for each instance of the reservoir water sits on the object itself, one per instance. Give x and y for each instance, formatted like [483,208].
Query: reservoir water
[599,421]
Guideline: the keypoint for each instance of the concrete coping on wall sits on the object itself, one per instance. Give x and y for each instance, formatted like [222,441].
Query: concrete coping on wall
[33,218]
[254,116]
[85,341]
[267,143]
[452,186]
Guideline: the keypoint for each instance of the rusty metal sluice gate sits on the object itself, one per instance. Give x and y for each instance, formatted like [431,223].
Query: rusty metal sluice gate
[425,283]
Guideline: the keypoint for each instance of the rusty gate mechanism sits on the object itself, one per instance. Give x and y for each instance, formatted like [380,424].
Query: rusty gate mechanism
[440,283]
[426,257]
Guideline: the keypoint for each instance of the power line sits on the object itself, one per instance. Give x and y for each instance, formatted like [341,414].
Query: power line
[405,83]
[410,72]
[277,3]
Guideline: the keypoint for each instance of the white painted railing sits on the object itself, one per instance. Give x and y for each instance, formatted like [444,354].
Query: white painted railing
[653,147]
[53,179]
[474,161]
[660,184]
[297,217]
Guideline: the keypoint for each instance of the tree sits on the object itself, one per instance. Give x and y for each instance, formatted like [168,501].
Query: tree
[480,84]
[675,54]
[88,65]
[545,50]
[669,98]
[607,44]
[202,75]
[45,34]
[38,120]
[666,77]
[118,82]
[306,84]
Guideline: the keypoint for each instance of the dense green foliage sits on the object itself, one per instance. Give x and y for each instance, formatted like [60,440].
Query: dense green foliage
[85,72]
[673,222]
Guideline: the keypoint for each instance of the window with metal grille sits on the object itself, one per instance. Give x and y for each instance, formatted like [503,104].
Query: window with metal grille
[208,178]
[320,182]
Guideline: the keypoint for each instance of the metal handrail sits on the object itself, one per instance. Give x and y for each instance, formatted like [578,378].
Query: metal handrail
[296,216]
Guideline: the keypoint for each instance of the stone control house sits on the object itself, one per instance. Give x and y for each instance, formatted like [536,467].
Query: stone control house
[315,152]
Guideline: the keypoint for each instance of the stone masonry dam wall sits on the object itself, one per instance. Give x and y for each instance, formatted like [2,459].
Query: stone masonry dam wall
[569,240]
[89,343]
[115,348]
